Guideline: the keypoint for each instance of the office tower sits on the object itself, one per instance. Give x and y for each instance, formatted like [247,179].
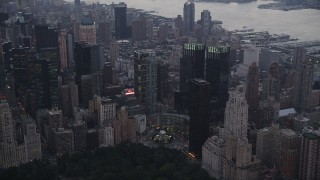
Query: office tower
[145,80]
[236,113]
[90,85]
[188,17]
[162,81]
[149,28]
[104,32]
[55,118]
[138,30]
[217,74]
[288,152]
[109,76]
[127,98]
[124,127]
[303,81]
[45,37]
[268,112]
[206,23]
[271,85]
[120,18]
[79,129]
[2,69]
[92,139]
[87,30]
[178,22]
[163,32]
[106,136]
[191,65]
[62,141]
[266,58]
[69,98]
[114,53]
[70,48]
[310,154]
[279,148]
[11,154]
[63,50]
[199,115]
[52,70]
[107,111]
[75,28]
[31,138]
[252,90]
[213,151]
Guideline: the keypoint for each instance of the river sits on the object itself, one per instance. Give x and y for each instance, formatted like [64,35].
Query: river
[303,24]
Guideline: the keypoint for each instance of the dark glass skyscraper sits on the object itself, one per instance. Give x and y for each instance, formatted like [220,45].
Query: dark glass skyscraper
[188,17]
[217,74]
[120,15]
[199,116]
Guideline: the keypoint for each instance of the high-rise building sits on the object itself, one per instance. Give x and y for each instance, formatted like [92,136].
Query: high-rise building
[114,53]
[191,65]
[124,127]
[163,32]
[217,72]
[252,90]
[213,156]
[31,139]
[145,79]
[188,17]
[11,154]
[178,22]
[106,136]
[87,30]
[69,98]
[79,129]
[141,123]
[199,115]
[236,113]
[120,18]
[138,30]
[149,28]
[271,85]
[310,154]
[63,50]
[45,37]
[104,32]
[303,81]
[162,81]
[62,141]
[206,23]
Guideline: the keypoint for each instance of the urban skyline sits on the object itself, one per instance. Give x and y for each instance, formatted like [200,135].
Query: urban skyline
[79,81]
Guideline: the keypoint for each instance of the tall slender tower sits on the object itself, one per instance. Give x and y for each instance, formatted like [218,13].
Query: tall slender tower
[188,17]
[252,91]
[206,23]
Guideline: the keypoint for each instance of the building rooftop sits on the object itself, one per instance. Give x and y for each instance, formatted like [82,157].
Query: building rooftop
[87,20]
[286,112]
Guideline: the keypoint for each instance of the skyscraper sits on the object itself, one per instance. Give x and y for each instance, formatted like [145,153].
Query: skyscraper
[236,113]
[145,79]
[191,65]
[252,90]
[206,23]
[199,116]
[188,17]
[309,157]
[304,79]
[217,74]
[120,15]
[87,30]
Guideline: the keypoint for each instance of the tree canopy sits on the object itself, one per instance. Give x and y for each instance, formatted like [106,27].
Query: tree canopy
[126,161]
